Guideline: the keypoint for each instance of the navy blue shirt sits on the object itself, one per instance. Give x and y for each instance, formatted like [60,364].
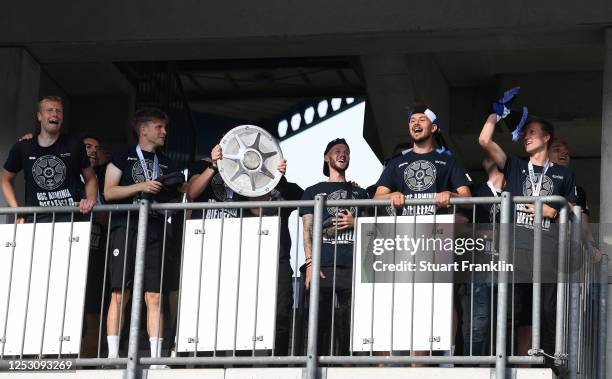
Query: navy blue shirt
[558,180]
[421,176]
[343,245]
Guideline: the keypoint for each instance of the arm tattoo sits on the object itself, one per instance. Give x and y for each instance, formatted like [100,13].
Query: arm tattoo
[307,220]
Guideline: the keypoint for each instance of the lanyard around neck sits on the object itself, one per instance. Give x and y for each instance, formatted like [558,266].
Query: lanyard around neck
[535,190]
[493,189]
[143,164]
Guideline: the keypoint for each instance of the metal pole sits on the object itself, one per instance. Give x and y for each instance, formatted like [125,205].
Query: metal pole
[576,249]
[537,280]
[502,287]
[313,311]
[561,286]
[137,295]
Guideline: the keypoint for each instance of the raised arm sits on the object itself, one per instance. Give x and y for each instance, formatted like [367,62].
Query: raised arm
[198,183]
[493,150]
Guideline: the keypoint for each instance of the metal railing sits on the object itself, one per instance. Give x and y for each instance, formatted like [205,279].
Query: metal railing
[580,314]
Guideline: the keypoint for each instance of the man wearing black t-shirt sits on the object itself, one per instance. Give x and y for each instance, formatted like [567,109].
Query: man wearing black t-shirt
[206,185]
[422,172]
[132,173]
[53,164]
[337,246]
[538,176]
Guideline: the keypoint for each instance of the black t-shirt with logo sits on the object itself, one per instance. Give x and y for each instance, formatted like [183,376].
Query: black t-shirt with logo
[558,180]
[344,243]
[216,191]
[52,174]
[132,172]
[421,176]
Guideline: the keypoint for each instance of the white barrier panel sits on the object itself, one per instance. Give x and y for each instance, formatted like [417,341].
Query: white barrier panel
[392,307]
[202,252]
[51,270]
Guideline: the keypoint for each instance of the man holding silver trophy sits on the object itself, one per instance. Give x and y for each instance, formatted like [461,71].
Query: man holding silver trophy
[248,165]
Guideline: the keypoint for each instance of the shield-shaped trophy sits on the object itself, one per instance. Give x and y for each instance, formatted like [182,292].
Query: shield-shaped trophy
[250,158]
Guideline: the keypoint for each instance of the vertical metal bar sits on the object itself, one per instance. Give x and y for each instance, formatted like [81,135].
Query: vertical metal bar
[178,309]
[313,311]
[512,322]
[561,283]
[433,287]
[125,254]
[373,292]
[472,285]
[161,287]
[25,318]
[603,320]
[393,287]
[295,281]
[413,274]
[49,262]
[239,265]
[277,276]
[110,216]
[257,281]
[137,295]
[10,282]
[61,336]
[572,363]
[333,307]
[354,277]
[493,284]
[91,213]
[502,286]
[218,286]
[537,278]
[196,337]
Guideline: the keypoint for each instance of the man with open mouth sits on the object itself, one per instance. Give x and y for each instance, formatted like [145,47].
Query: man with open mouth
[53,164]
[422,172]
[336,249]
[536,176]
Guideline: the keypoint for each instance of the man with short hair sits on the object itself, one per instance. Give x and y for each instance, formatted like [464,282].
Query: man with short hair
[422,172]
[337,246]
[53,164]
[131,174]
[537,176]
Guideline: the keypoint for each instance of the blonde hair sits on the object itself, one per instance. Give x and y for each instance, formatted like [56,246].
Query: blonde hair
[53,98]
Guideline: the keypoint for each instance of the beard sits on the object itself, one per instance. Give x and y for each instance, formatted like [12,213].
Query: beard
[335,166]
[422,138]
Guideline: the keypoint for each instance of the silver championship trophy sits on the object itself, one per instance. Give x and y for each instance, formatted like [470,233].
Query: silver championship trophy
[250,158]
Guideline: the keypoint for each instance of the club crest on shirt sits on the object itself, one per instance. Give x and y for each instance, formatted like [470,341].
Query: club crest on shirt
[219,187]
[338,195]
[547,186]
[138,175]
[49,172]
[420,175]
